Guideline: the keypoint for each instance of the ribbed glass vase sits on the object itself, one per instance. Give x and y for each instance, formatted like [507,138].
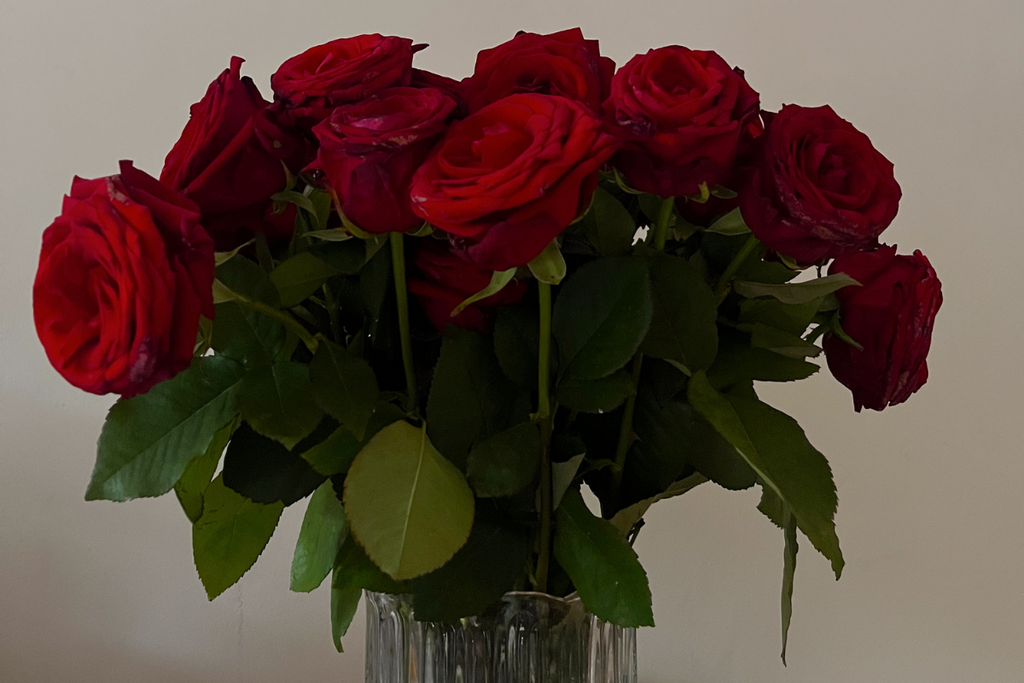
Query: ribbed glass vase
[525,638]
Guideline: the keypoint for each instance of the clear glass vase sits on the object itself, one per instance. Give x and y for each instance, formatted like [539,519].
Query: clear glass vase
[525,638]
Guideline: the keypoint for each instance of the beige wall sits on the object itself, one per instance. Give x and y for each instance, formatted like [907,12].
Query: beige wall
[931,514]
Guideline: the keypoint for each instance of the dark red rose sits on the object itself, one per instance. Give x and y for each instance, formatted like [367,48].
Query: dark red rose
[818,188]
[562,63]
[124,274]
[428,79]
[683,116]
[507,180]
[369,151]
[230,159]
[445,280]
[891,316]
[341,71]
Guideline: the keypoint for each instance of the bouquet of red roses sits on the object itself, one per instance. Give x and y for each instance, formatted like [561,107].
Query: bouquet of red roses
[438,309]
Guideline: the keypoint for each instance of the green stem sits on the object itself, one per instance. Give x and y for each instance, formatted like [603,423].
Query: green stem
[626,432]
[544,418]
[730,271]
[288,321]
[661,225]
[660,236]
[402,295]
[331,304]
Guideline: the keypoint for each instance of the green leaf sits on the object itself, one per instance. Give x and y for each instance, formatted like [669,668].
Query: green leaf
[723,192]
[148,440]
[479,574]
[344,385]
[277,400]
[230,536]
[596,396]
[730,224]
[608,225]
[344,603]
[771,506]
[516,344]
[601,316]
[320,538]
[221,257]
[346,257]
[626,518]
[333,455]
[549,266]
[792,318]
[297,198]
[300,276]
[788,572]
[199,472]
[354,569]
[243,277]
[246,336]
[796,293]
[776,448]
[505,463]
[685,310]
[781,342]
[740,364]
[602,566]
[408,506]
[264,471]
[499,279]
[562,476]
[470,397]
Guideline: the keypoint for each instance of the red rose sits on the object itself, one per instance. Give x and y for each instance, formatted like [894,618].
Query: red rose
[507,180]
[683,116]
[445,281]
[818,189]
[341,71]
[369,151]
[229,161]
[562,63]
[891,316]
[124,274]
[428,79]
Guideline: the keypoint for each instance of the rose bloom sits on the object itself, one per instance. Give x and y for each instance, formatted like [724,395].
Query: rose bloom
[891,316]
[369,151]
[562,63]
[818,188]
[443,280]
[422,78]
[341,71]
[230,159]
[124,274]
[507,180]
[683,116]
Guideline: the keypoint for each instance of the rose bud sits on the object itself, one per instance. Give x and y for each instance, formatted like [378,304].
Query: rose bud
[369,151]
[683,116]
[562,63]
[891,316]
[230,159]
[445,280]
[818,188]
[124,274]
[341,71]
[507,180]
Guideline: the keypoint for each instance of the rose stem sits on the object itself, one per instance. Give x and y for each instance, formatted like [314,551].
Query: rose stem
[734,265]
[402,295]
[658,239]
[288,321]
[544,417]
